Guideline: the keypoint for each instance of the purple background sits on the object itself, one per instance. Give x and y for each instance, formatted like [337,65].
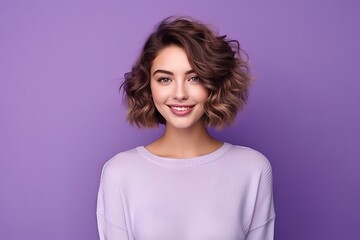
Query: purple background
[61,115]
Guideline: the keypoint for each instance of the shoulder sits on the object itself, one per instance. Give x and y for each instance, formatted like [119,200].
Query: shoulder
[121,164]
[122,158]
[250,158]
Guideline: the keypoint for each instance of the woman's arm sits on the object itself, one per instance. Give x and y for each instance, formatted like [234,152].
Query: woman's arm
[110,212]
[263,218]
[263,232]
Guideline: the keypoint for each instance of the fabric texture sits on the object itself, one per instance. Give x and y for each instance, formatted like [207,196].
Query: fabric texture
[224,195]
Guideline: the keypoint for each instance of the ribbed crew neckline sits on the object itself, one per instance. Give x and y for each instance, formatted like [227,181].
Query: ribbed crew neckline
[186,162]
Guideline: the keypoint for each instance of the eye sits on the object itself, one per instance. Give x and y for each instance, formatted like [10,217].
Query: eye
[194,79]
[164,80]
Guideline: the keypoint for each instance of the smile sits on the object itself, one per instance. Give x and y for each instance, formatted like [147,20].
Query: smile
[181,110]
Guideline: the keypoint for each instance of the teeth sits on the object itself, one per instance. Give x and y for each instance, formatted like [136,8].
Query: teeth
[180,108]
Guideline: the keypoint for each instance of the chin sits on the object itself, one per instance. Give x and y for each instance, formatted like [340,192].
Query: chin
[184,125]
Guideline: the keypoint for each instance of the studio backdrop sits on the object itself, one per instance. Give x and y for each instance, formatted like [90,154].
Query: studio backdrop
[62,116]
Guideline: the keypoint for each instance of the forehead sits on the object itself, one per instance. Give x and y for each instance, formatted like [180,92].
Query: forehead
[171,58]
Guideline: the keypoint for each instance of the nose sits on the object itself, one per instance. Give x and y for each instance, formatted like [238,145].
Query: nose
[180,92]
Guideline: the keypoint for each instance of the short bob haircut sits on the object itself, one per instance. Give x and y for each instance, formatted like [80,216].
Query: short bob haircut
[215,59]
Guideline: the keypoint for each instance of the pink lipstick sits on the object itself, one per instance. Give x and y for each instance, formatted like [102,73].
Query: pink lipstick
[181,110]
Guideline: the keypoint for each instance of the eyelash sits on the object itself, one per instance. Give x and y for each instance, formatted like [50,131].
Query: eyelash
[166,79]
[194,78]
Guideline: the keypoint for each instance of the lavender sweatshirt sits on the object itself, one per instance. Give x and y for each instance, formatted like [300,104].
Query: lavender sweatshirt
[224,195]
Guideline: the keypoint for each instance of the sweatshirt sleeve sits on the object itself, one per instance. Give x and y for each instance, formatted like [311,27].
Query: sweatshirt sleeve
[110,211]
[263,219]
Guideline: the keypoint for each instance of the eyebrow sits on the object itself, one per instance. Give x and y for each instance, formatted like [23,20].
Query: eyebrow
[171,73]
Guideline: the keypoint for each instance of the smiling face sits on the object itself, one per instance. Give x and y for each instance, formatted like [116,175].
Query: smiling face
[176,91]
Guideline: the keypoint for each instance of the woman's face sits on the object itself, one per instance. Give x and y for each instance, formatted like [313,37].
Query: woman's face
[176,91]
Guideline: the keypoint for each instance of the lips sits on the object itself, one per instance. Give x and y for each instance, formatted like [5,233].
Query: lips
[181,110]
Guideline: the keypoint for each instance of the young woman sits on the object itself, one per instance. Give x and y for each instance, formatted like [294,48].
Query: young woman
[186,184]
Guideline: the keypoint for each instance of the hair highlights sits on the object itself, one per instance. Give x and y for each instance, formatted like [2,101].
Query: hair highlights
[218,61]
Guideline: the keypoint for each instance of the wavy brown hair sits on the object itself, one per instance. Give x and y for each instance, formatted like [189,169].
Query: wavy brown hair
[219,63]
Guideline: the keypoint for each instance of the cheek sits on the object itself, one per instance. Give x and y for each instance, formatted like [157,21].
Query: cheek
[201,94]
[157,95]
[153,90]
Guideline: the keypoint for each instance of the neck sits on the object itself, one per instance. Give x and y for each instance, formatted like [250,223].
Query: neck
[184,143]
